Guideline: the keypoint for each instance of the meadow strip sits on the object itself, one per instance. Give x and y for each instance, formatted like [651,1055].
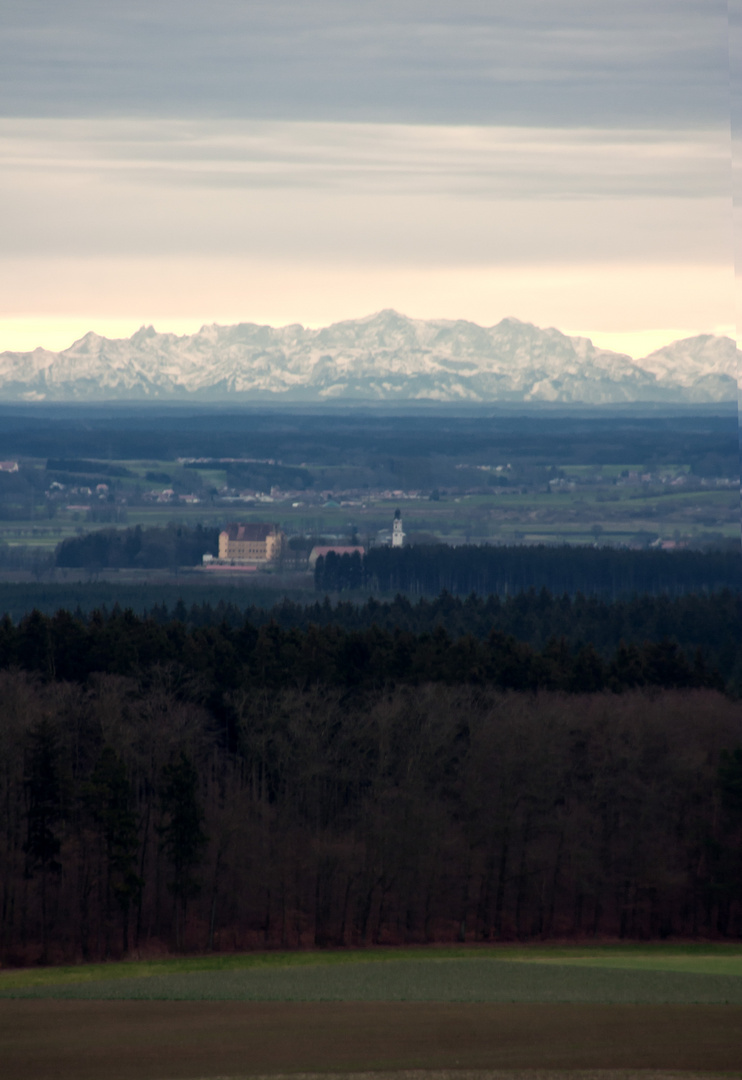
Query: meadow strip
[474,979]
[693,958]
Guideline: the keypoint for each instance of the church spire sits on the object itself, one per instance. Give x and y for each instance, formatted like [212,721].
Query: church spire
[397,530]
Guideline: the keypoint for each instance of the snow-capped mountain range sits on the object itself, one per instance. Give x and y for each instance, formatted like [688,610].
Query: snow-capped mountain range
[385,357]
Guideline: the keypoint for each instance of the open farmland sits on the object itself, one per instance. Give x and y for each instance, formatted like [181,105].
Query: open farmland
[503,1013]
[473,478]
[596,511]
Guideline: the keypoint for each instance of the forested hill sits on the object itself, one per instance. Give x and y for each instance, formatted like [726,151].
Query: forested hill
[156,810]
[711,623]
[68,649]
[532,615]
[189,783]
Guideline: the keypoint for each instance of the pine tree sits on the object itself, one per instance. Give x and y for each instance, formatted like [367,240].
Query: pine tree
[109,797]
[183,836]
[43,792]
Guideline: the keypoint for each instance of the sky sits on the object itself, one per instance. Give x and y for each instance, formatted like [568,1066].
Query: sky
[564,162]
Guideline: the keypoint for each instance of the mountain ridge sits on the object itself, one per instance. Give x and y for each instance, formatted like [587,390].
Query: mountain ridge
[381,357]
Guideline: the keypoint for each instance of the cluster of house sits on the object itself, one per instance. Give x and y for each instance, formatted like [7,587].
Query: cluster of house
[168,495]
[261,543]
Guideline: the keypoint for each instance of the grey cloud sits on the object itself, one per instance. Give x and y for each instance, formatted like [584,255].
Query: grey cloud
[485,163]
[374,193]
[312,230]
[567,62]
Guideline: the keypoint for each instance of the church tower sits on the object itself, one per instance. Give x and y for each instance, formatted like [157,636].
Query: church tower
[397,531]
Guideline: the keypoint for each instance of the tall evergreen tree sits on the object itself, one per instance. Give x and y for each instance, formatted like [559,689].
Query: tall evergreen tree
[109,797]
[44,812]
[183,835]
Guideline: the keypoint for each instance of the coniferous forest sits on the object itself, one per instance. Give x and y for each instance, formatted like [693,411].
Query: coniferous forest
[427,569]
[205,783]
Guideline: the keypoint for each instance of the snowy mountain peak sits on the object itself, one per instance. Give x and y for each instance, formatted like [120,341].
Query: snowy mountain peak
[144,333]
[382,357]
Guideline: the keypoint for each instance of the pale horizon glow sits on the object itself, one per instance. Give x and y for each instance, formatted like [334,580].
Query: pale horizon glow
[633,309]
[56,335]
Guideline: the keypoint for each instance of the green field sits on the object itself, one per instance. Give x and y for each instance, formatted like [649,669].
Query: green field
[708,974]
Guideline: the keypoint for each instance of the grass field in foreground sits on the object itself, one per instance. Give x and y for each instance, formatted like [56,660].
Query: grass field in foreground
[640,974]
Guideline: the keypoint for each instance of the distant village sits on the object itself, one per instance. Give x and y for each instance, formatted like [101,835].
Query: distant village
[282,518]
[67,495]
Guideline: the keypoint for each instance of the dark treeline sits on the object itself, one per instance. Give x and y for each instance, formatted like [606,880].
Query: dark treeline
[710,622]
[218,657]
[417,441]
[153,548]
[137,812]
[612,572]
[262,475]
[164,593]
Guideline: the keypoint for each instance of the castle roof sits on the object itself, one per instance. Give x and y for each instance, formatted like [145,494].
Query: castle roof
[253,531]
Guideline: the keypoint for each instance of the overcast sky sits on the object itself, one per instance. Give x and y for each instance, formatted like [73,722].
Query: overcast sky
[181,163]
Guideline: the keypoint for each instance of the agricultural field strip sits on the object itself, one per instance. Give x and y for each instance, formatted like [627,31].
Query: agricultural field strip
[638,978]
[692,958]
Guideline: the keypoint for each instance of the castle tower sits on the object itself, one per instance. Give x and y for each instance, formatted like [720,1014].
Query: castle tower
[397,530]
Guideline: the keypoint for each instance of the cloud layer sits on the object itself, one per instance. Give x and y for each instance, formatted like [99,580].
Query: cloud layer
[539,62]
[364,192]
[564,161]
